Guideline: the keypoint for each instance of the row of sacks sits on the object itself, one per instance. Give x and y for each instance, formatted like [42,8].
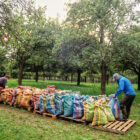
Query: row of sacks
[24,96]
[95,109]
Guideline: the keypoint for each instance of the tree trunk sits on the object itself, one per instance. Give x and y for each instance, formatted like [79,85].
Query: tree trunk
[103,77]
[78,77]
[36,75]
[20,74]
[66,78]
[44,76]
[107,79]
[103,64]
[93,79]
[71,77]
[85,79]
[138,81]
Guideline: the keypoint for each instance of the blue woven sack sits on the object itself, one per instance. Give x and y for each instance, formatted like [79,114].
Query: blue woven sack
[59,101]
[113,102]
[78,108]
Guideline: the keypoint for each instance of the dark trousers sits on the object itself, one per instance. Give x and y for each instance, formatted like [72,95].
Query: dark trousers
[125,105]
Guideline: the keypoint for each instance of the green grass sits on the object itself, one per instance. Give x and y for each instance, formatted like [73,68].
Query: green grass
[19,124]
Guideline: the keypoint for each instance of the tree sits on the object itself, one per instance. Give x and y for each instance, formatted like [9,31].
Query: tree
[43,37]
[69,49]
[2,62]
[14,26]
[127,51]
[103,19]
[38,43]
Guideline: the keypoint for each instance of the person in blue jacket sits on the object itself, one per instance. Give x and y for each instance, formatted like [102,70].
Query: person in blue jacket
[125,86]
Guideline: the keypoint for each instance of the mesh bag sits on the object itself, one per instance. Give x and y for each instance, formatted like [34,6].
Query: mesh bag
[99,116]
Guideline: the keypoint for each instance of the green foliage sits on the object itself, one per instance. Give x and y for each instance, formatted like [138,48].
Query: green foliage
[127,50]
[2,62]
[32,36]
[103,19]
[43,37]
[70,46]
[82,42]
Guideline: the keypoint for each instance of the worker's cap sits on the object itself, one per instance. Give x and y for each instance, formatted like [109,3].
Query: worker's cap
[114,76]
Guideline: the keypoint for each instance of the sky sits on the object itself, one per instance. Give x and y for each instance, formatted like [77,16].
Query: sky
[54,8]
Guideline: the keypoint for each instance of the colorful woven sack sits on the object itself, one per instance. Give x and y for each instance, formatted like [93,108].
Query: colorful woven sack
[1,88]
[14,97]
[101,101]
[1,100]
[115,107]
[109,114]
[19,98]
[35,98]
[59,102]
[90,99]
[19,95]
[76,93]
[64,92]
[1,96]
[36,101]
[9,98]
[85,97]
[99,116]
[68,105]
[5,95]
[88,111]
[42,103]
[50,106]
[95,97]
[25,101]
[51,89]
[78,108]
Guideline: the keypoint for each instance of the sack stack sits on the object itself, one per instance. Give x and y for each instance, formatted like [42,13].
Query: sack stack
[96,109]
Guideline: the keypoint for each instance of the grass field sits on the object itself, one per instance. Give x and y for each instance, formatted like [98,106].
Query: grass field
[19,124]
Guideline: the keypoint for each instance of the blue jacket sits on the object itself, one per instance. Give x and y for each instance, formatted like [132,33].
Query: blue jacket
[125,86]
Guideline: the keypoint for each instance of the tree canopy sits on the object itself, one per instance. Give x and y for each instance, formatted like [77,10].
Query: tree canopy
[96,38]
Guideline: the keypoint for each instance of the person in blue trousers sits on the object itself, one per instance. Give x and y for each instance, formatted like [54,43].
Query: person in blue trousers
[124,85]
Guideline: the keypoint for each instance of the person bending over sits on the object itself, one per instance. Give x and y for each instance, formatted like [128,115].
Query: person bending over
[126,102]
[3,81]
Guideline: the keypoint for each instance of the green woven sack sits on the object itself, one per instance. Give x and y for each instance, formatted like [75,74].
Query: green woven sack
[88,112]
[109,114]
[99,116]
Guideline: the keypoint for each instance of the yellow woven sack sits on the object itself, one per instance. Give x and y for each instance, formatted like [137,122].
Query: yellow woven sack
[99,116]
[25,101]
[19,97]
